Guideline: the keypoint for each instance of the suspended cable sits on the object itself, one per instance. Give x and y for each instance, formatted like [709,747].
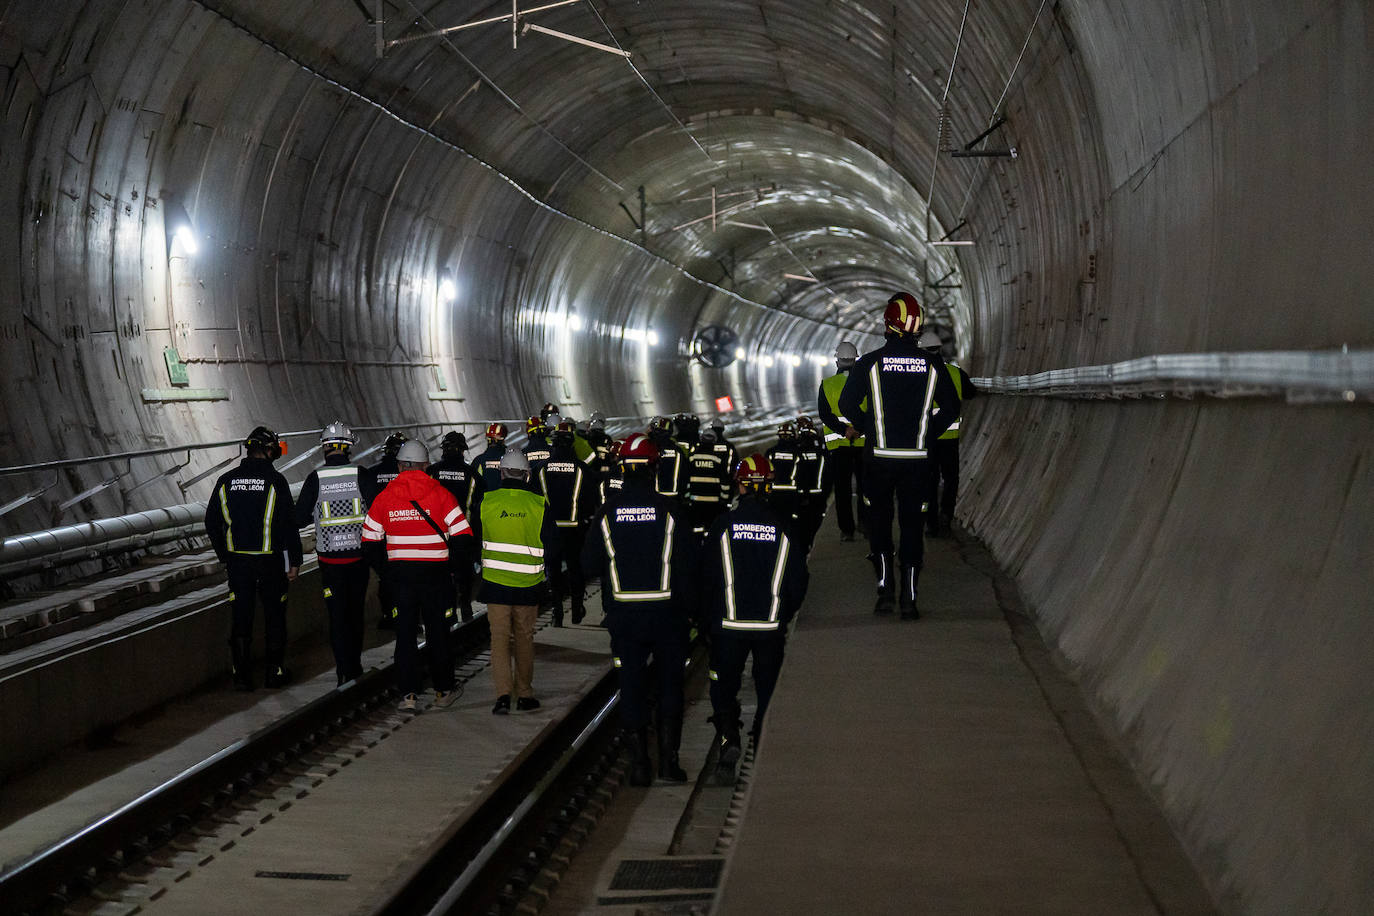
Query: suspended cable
[944,97]
[642,79]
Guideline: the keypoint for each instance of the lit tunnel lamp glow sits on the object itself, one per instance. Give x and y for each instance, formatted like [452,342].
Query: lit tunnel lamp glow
[767,362]
[186,237]
[448,289]
[740,354]
[181,232]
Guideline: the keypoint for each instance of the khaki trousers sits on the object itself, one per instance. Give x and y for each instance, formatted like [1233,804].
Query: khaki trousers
[512,625]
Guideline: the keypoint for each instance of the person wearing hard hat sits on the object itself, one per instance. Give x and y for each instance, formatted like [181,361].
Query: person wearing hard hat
[417,520]
[642,549]
[844,444]
[375,481]
[463,480]
[250,521]
[944,452]
[332,498]
[891,392]
[566,484]
[488,463]
[753,578]
[519,543]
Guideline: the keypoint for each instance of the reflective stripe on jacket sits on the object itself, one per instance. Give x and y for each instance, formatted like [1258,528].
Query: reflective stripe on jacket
[339,510]
[512,545]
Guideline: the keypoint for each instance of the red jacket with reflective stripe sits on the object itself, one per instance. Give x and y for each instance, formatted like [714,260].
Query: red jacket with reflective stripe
[409,537]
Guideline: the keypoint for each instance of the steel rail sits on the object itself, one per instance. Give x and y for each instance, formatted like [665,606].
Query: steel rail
[53,873]
[504,814]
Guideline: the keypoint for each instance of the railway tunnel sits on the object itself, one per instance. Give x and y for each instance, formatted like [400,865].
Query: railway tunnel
[223,213]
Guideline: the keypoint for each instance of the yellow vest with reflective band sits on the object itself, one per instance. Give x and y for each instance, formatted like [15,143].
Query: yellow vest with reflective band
[832,387]
[512,552]
[957,378]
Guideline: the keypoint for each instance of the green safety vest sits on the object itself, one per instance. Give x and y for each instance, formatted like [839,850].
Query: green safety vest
[831,388]
[957,378]
[512,552]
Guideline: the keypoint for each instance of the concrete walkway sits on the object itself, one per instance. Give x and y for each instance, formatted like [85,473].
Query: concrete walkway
[941,766]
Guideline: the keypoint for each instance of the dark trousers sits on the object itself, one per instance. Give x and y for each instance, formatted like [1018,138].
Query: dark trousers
[637,635]
[252,578]
[904,482]
[846,467]
[422,595]
[729,652]
[566,574]
[944,477]
[345,587]
[464,577]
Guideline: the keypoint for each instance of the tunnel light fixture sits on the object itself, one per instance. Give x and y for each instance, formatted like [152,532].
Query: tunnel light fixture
[767,362]
[801,278]
[574,321]
[186,236]
[952,243]
[448,290]
[739,353]
[652,337]
[794,359]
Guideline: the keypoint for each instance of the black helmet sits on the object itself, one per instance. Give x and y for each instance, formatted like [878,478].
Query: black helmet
[393,444]
[547,410]
[264,439]
[454,442]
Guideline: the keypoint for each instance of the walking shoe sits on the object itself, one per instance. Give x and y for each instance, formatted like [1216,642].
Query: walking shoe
[465,611]
[726,760]
[277,676]
[443,699]
[525,704]
[409,703]
[579,612]
[502,707]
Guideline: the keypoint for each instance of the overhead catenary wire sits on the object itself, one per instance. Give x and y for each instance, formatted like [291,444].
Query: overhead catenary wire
[944,98]
[997,107]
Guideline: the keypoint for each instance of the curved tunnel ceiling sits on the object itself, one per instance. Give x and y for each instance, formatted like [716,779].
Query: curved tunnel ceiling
[1181,186]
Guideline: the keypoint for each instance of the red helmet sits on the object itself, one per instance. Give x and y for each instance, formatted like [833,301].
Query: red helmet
[638,450]
[567,426]
[787,430]
[806,425]
[755,470]
[496,432]
[534,425]
[903,314]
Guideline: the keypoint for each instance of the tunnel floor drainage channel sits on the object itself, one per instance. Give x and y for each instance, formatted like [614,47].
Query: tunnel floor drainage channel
[670,879]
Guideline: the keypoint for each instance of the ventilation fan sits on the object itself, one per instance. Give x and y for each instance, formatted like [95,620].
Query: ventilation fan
[714,346]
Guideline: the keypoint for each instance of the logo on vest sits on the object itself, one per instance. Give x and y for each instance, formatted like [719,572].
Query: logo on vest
[508,514]
[742,531]
[636,514]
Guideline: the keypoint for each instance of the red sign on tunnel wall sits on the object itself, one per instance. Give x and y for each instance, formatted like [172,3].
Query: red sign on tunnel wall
[724,404]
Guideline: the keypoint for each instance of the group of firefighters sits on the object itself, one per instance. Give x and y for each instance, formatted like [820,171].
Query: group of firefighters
[679,532]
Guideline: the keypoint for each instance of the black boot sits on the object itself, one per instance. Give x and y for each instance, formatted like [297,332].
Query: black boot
[641,770]
[887,587]
[908,600]
[728,752]
[240,650]
[669,738]
[579,611]
[557,612]
[465,610]
[277,675]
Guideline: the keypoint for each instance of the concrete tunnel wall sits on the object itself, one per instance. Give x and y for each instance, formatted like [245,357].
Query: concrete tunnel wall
[1190,180]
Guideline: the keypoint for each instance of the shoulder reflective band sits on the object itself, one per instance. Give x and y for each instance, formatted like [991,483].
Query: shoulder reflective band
[881,449]
[224,511]
[663,592]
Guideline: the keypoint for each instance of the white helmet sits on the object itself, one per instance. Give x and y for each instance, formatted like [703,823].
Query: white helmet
[338,433]
[846,353]
[513,462]
[412,451]
[597,420]
[929,340]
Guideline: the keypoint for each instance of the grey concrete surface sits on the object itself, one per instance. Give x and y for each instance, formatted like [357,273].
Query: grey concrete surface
[938,766]
[1190,177]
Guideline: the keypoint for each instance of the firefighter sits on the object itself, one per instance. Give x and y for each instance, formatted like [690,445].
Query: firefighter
[782,458]
[944,452]
[708,483]
[464,481]
[642,549]
[753,578]
[844,444]
[519,542]
[812,480]
[332,498]
[900,382]
[376,479]
[566,484]
[418,520]
[687,430]
[537,446]
[669,478]
[488,463]
[724,445]
[251,523]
